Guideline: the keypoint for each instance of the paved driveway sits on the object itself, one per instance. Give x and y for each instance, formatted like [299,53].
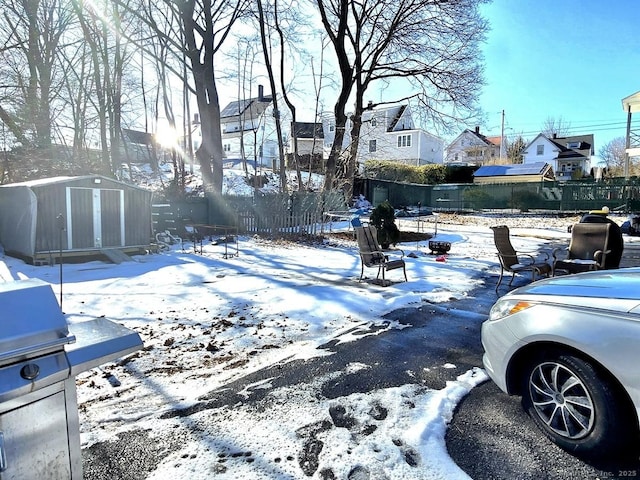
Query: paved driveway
[489,437]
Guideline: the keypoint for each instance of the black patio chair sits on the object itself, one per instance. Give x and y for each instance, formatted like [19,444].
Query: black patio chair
[514,261]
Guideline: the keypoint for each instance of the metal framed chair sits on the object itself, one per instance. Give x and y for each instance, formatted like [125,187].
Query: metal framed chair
[372,255]
[587,249]
[514,261]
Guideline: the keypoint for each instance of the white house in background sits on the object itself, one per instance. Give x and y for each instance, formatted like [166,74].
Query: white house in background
[473,148]
[389,133]
[310,138]
[568,156]
[310,144]
[249,131]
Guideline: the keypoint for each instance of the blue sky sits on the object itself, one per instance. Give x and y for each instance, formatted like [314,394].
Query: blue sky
[568,59]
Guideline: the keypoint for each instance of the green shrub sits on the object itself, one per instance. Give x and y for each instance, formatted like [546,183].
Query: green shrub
[384,219]
[401,172]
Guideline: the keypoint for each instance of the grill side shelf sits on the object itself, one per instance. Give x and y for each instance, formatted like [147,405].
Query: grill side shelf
[99,341]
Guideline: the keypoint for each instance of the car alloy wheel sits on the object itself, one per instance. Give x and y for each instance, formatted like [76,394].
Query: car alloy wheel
[578,406]
[561,400]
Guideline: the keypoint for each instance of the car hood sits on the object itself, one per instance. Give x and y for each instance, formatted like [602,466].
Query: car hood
[612,289]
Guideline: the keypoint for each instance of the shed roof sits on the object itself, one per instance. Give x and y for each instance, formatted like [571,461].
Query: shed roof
[537,168]
[62,179]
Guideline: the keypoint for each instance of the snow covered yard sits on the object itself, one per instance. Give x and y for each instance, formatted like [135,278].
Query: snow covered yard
[206,320]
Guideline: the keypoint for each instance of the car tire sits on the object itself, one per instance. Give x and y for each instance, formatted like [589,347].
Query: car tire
[576,406]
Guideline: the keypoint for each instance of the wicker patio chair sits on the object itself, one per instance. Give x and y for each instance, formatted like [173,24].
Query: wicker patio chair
[587,249]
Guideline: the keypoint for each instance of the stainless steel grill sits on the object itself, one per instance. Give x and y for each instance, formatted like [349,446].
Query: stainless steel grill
[40,355]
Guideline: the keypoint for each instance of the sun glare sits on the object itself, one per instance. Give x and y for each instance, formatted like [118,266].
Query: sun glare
[166,135]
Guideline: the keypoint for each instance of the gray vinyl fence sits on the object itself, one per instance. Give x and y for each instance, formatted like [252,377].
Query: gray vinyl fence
[276,215]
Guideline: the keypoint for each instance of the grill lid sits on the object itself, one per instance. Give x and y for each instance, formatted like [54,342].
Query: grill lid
[31,322]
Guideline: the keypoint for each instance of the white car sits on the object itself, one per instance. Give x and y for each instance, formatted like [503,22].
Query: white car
[570,346]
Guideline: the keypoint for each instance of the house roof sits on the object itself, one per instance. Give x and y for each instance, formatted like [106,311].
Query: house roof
[583,146]
[517,169]
[252,106]
[138,137]
[396,118]
[489,141]
[309,130]
[495,140]
[394,114]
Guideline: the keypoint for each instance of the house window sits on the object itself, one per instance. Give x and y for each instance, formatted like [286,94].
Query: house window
[374,122]
[573,145]
[372,146]
[227,147]
[540,150]
[404,140]
[332,127]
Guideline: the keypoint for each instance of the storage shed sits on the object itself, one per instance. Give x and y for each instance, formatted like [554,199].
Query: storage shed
[73,216]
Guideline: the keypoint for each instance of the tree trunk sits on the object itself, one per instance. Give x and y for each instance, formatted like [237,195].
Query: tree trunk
[333,176]
[274,97]
[201,52]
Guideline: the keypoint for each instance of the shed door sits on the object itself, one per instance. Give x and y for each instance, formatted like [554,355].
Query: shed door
[96,218]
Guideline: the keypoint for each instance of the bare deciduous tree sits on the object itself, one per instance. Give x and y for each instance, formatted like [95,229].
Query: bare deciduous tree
[432,44]
[31,35]
[266,51]
[102,29]
[614,155]
[515,149]
[556,126]
[200,32]
[206,25]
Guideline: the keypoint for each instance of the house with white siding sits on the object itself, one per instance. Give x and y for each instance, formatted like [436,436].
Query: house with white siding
[473,148]
[249,131]
[309,144]
[570,157]
[389,133]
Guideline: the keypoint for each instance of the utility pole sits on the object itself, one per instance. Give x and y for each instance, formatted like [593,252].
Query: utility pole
[627,143]
[502,137]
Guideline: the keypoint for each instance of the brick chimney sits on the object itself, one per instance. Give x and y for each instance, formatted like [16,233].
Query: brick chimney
[478,130]
[260,93]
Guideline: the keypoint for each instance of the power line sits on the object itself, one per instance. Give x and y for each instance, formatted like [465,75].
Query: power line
[595,127]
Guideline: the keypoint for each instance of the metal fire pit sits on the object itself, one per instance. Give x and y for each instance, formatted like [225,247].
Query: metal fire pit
[440,247]
[40,355]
